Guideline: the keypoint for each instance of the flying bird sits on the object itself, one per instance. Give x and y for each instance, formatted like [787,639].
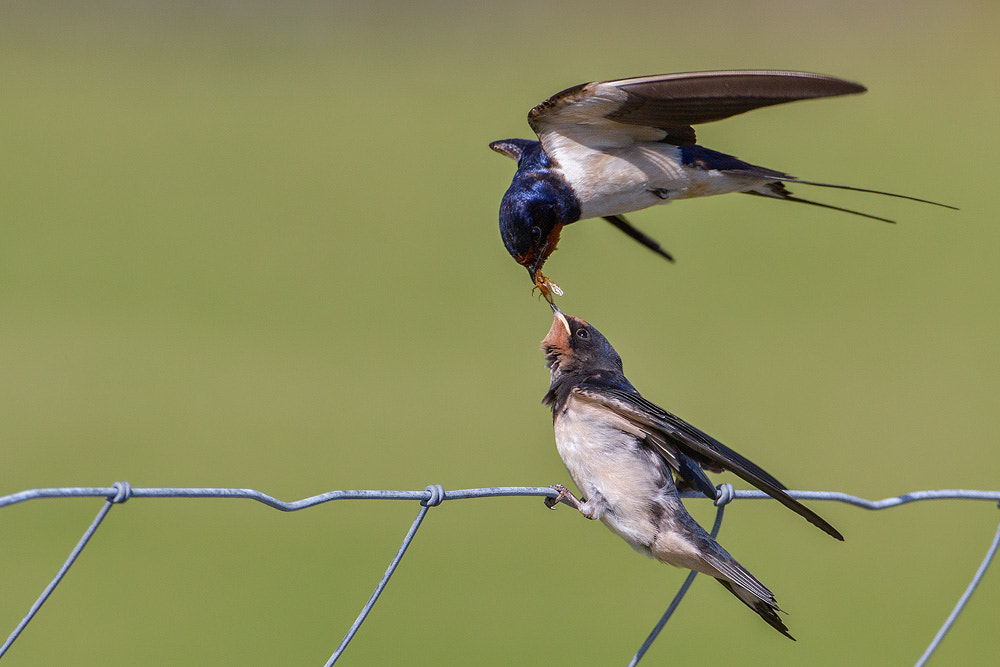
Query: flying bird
[623,453]
[607,148]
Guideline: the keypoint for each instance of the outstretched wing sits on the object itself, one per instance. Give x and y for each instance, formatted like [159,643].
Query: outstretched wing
[676,441]
[604,114]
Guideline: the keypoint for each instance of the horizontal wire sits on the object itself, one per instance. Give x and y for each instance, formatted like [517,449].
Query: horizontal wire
[434,495]
[463,494]
[270,501]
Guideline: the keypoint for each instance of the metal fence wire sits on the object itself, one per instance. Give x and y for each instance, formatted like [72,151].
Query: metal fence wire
[434,495]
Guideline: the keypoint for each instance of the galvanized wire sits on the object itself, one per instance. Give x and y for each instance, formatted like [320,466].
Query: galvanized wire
[962,600]
[121,495]
[433,495]
[726,494]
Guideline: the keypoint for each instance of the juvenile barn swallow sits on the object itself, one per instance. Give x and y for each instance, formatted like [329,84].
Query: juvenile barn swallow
[611,147]
[622,452]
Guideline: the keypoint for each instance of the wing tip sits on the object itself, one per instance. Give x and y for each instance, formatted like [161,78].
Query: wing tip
[512,148]
[830,530]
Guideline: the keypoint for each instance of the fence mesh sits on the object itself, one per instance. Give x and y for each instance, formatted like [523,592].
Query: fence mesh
[434,495]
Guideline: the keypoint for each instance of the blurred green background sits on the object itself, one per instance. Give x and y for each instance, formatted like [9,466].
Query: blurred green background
[255,245]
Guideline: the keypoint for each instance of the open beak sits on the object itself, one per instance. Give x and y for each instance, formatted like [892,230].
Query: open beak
[556,341]
[559,316]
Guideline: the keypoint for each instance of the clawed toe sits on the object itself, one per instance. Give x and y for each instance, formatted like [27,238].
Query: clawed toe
[564,495]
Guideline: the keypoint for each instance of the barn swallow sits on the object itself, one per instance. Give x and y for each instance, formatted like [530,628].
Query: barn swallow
[623,452]
[611,147]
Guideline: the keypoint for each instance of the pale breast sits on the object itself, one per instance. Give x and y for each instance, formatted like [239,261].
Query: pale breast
[603,454]
[620,180]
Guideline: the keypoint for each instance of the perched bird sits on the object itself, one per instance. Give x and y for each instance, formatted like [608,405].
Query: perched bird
[622,452]
[610,147]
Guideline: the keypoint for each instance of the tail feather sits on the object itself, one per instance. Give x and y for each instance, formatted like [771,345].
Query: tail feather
[767,610]
[787,196]
[717,562]
[700,157]
[777,190]
[792,179]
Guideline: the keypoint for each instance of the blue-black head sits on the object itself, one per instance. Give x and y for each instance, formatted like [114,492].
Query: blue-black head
[535,207]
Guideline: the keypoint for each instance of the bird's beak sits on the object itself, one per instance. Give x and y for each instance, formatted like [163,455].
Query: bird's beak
[535,266]
[557,341]
[533,271]
[559,316]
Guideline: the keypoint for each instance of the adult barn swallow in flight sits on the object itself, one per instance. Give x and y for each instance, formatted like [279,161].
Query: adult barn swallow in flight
[611,147]
[622,452]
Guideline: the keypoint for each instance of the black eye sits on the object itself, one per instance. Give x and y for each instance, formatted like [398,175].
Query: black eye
[536,233]
[582,333]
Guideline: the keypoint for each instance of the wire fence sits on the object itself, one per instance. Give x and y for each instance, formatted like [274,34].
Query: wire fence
[434,495]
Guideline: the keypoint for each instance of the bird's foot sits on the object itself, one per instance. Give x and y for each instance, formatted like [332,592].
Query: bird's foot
[565,496]
[592,508]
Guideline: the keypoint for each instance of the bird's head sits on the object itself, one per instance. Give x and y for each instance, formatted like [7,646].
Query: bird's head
[532,214]
[574,346]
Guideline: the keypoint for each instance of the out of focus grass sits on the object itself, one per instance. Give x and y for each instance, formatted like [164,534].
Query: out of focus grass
[255,245]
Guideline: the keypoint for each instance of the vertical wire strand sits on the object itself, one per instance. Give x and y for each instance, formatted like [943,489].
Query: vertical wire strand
[961,601]
[677,598]
[59,575]
[378,589]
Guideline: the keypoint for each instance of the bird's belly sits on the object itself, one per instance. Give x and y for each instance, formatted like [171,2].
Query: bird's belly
[604,456]
[609,184]
[622,180]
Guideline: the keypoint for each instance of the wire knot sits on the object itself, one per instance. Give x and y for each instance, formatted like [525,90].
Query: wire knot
[123,491]
[437,495]
[726,494]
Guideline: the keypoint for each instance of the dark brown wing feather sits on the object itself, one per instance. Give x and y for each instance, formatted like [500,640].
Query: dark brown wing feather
[674,102]
[702,97]
[700,446]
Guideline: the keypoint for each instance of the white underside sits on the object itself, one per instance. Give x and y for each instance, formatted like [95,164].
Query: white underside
[615,180]
[604,456]
[604,461]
